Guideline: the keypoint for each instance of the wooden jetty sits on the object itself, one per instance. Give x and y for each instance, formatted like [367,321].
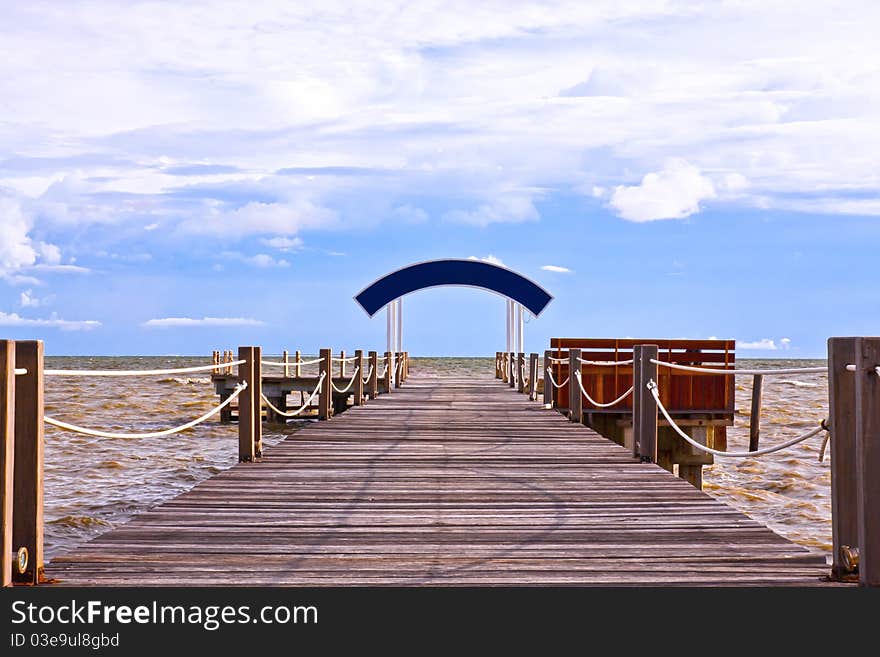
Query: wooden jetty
[451,481]
[457,480]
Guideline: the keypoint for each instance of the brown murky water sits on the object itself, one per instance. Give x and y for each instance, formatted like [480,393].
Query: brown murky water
[91,484]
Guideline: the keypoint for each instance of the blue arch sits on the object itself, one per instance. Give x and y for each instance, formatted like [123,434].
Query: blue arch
[471,273]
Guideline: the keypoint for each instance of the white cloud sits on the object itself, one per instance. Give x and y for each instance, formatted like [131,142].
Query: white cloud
[491,259]
[265,261]
[16,249]
[28,300]
[49,253]
[61,269]
[262,260]
[557,269]
[764,344]
[283,218]
[568,96]
[12,319]
[283,243]
[673,193]
[176,322]
[504,209]
[410,214]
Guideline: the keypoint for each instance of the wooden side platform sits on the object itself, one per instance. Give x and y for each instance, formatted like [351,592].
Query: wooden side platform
[449,481]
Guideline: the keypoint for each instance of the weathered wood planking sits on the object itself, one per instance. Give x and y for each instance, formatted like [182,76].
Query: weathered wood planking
[450,481]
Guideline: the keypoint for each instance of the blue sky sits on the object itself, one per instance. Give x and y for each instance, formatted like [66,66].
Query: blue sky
[177,179]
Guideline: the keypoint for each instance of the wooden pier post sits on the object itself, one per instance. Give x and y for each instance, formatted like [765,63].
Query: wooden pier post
[398,368]
[505,370]
[644,406]
[298,367]
[520,366]
[27,502]
[497,364]
[374,375]
[7,456]
[575,397]
[257,392]
[286,360]
[246,409]
[533,376]
[511,359]
[389,374]
[867,447]
[842,420]
[342,363]
[359,377]
[755,413]
[325,398]
[548,387]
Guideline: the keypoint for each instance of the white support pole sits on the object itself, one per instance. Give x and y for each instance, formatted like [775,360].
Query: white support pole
[388,314]
[392,341]
[507,349]
[519,329]
[512,326]
[400,325]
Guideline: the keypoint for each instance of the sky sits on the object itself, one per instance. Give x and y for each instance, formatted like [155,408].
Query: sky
[182,177]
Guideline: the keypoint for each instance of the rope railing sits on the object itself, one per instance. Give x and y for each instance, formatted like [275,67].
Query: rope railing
[713,370]
[176,370]
[553,381]
[301,408]
[150,434]
[346,388]
[344,360]
[577,375]
[292,363]
[605,363]
[557,360]
[19,371]
[369,374]
[655,392]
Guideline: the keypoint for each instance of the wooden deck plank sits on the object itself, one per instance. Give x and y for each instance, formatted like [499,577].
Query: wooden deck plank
[448,481]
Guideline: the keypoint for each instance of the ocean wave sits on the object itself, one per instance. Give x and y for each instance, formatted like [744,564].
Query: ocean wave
[79,521]
[800,384]
[186,380]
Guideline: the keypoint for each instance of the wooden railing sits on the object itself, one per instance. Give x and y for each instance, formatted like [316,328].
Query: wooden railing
[853,420]
[22,422]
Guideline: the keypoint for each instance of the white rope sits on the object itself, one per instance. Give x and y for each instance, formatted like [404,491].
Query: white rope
[758,452]
[553,382]
[353,377]
[557,360]
[18,371]
[292,363]
[384,372]
[344,360]
[712,370]
[152,434]
[369,374]
[577,375]
[301,408]
[179,370]
[605,363]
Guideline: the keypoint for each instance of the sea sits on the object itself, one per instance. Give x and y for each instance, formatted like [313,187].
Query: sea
[93,484]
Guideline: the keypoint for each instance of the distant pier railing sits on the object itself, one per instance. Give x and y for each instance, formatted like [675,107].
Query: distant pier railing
[671,401]
[241,382]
